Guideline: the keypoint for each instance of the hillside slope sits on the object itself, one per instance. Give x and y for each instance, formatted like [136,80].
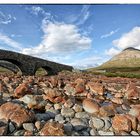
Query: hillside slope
[128,58]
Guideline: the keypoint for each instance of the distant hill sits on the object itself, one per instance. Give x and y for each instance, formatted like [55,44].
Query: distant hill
[128,59]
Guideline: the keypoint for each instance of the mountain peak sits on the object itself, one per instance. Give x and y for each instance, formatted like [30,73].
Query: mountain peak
[131,49]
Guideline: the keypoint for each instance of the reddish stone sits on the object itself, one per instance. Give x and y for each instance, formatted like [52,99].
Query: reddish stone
[6,80]
[121,123]
[117,100]
[135,111]
[52,129]
[108,110]
[97,88]
[1,87]
[118,95]
[133,121]
[80,81]
[52,92]
[28,133]
[39,125]
[132,91]
[21,90]
[79,88]
[3,130]
[53,81]
[90,106]
[59,100]
[15,113]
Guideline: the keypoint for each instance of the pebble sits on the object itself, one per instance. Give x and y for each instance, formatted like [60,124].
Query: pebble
[28,133]
[90,106]
[82,115]
[103,133]
[42,116]
[29,126]
[68,128]
[69,103]
[57,106]
[59,118]
[78,124]
[98,123]
[134,133]
[107,123]
[67,112]
[52,113]
[93,132]
[11,127]
[39,125]
[84,133]
[77,108]
[3,130]
[75,134]
[19,133]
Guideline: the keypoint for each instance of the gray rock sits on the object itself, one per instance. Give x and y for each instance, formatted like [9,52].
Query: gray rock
[11,127]
[83,115]
[134,133]
[75,134]
[67,119]
[59,118]
[52,112]
[103,133]
[69,90]
[68,128]
[84,133]
[42,116]
[19,133]
[98,123]
[69,103]
[78,108]
[107,123]
[78,124]
[67,112]
[29,126]
[93,132]
[57,106]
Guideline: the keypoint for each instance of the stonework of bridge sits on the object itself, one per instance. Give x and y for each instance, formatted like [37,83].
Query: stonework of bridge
[29,64]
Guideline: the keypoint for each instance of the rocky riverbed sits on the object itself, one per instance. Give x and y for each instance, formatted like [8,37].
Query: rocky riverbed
[69,104]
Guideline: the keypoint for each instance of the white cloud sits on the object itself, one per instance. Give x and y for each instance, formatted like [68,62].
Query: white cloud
[6,19]
[84,15]
[10,42]
[110,34]
[81,17]
[60,38]
[130,39]
[36,10]
[112,51]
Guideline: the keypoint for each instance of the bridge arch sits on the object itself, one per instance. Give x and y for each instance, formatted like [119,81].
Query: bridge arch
[9,66]
[48,70]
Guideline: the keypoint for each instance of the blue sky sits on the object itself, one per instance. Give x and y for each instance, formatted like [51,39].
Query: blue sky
[79,35]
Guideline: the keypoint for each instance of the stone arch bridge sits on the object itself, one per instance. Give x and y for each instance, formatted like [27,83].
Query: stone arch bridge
[29,64]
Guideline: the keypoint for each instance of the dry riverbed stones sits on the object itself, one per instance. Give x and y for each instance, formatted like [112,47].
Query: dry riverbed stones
[72,104]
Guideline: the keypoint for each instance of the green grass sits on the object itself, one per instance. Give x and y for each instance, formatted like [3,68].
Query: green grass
[4,70]
[130,74]
[40,72]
